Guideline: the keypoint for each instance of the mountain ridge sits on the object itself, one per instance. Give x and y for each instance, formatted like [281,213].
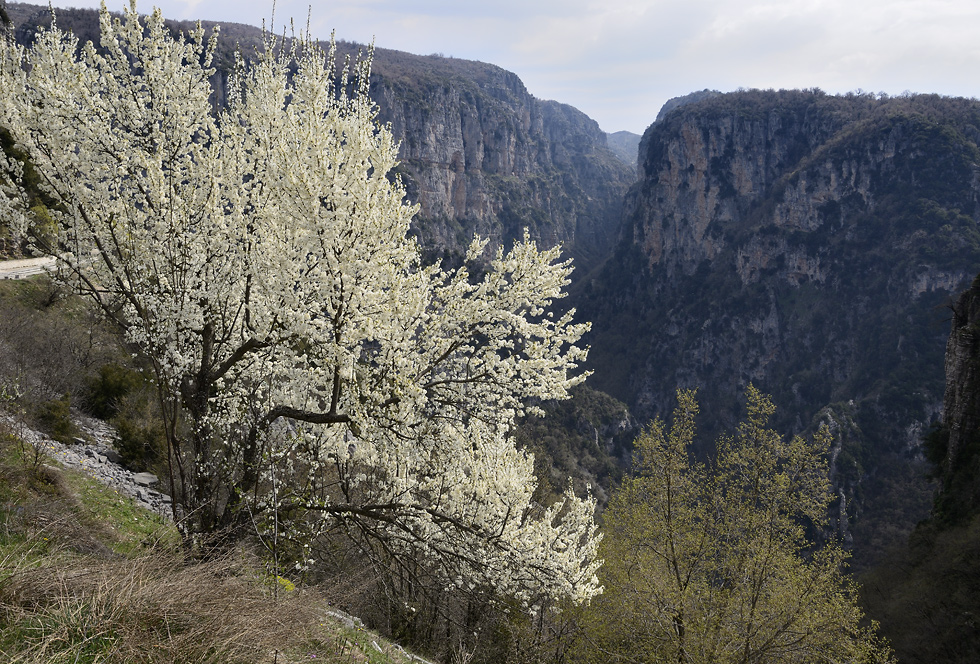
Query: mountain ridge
[479,153]
[807,244]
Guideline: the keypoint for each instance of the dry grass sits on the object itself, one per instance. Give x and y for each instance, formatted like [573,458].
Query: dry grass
[86,576]
[149,609]
[155,609]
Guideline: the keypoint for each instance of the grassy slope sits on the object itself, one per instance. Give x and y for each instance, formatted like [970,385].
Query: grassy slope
[87,576]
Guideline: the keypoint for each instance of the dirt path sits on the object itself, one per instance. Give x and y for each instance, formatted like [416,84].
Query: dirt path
[25,267]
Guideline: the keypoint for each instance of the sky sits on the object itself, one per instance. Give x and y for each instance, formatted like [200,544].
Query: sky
[618,61]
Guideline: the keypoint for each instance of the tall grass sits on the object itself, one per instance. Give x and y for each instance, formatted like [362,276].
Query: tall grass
[86,576]
[149,609]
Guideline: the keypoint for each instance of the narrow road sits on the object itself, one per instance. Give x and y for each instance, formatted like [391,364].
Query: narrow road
[25,267]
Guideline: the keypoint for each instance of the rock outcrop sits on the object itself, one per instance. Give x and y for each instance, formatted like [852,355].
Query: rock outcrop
[480,154]
[925,596]
[803,242]
[958,441]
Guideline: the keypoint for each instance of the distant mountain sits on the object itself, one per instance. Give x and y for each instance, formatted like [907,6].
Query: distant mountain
[479,152]
[809,244]
[624,145]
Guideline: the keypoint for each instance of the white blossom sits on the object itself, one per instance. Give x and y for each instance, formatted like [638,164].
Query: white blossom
[259,256]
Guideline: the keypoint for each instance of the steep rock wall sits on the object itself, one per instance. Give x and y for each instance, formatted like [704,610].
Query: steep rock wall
[480,154]
[804,243]
[956,446]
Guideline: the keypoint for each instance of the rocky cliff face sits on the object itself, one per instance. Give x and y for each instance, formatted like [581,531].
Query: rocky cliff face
[479,153]
[956,446]
[802,242]
[925,597]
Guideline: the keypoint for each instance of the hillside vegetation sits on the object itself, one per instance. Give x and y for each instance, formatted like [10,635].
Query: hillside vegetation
[370,450]
[86,576]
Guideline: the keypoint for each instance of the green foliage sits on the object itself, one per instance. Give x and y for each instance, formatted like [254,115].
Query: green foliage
[123,396]
[41,226]
[106,391]
[54,417]
[142,440]
[124,527]
[77,627]
[69,510]
[51,344]
[61,348]
[711,562]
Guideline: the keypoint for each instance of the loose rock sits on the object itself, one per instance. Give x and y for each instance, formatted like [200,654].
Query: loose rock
[93,456]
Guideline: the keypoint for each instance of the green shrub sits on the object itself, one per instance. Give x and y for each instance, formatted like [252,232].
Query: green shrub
[141,439]
[54,418]
[106,391]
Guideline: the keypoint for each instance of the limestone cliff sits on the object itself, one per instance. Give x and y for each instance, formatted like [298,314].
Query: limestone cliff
[926,594]
[479,153]
[956,446]
[803,242]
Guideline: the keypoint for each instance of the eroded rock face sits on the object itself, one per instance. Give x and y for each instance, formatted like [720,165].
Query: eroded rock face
[768,229]
[960,462]
[801,242]
[480,154]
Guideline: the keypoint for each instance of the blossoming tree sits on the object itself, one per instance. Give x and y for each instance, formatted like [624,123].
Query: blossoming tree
[259,256]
